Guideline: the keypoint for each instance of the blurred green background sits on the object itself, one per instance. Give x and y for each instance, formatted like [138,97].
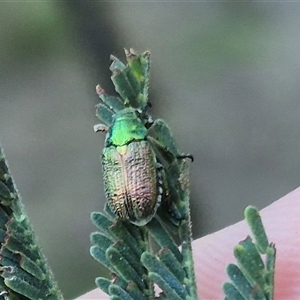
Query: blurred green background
[225,76]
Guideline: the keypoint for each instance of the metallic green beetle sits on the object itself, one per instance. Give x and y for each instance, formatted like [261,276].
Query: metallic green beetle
[131,173]
[140,159]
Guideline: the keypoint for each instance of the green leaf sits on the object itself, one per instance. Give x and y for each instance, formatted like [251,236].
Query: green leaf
[22,287]
[100,255]
[114,103]
[116,64]
[126,271]
[163,238]
[135,292]
[241,283]
[118,230]
[104,114]
[161,281]
[253,278]
[115,290]
[128,256]
[101,240]
[250,262]
[157,267]
[168,258]
[255,223]
[102,222]
[231,292]
[24,271]
[103,284]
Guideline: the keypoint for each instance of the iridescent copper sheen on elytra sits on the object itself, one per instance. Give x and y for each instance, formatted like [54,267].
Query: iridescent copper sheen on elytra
[130,181]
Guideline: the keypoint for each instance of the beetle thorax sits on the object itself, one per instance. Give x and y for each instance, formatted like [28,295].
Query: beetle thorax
[126,127]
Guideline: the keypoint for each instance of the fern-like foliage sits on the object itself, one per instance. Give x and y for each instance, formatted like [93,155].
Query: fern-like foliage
[253,276]
[140,257]
[24,272]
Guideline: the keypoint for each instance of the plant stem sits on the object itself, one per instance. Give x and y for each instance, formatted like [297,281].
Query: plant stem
[185,233]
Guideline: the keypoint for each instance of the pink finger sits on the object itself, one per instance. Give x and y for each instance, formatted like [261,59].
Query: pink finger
[213,252]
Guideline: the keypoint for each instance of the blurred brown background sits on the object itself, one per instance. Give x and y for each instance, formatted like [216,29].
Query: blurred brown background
[225,76]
